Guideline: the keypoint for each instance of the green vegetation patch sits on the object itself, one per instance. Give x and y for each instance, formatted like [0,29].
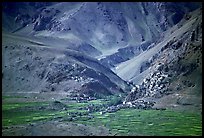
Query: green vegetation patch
[149,122]
[11,115]
[123,122]
[15,118]
[9,106]
[7,97]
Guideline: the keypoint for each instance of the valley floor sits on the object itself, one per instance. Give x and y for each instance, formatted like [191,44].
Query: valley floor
[22,115]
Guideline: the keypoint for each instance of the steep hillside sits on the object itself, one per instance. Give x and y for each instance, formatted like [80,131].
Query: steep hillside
[102,68]
[111,32]
[172,75]
[128,38]
[31,66]
[139,66]
[17,15]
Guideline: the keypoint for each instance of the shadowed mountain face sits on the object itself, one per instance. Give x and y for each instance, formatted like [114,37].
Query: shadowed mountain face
[81,46]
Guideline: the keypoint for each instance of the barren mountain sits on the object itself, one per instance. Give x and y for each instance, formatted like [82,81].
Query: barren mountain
[96,58]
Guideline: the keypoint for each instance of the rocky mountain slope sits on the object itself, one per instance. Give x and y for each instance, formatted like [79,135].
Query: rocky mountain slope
[173,76]
[101,68]
[73,46]
[141,64]
[115,32]
[30,66]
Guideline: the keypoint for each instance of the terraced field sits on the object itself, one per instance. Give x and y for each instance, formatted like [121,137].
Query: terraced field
[150,122]
[123,122]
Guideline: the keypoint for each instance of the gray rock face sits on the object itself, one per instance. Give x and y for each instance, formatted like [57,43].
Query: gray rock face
[43,69]
[175,69]
[110,32]
[17,15]
[124,54]
[107,25]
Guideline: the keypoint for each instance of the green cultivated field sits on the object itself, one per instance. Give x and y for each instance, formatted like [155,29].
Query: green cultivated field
[122,122]
[150,122]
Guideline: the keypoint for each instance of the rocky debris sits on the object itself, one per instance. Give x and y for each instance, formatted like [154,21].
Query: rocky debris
[134,94]
[112,109]
[155,85]
[142,104]
[158,83]
[136,104]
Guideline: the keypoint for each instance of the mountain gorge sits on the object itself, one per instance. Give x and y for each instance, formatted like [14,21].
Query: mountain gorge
[145,55]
